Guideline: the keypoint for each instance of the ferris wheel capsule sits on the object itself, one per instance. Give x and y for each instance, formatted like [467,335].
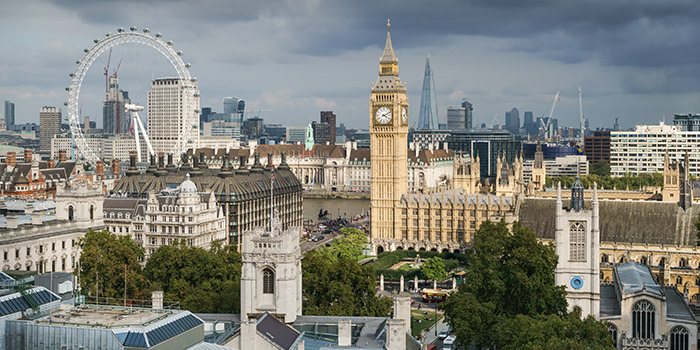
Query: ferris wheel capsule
[65,104]
[70,75]
[77,62]
[68,88]
[194,79]
[120,30]
[146,30]
[170,43]
[188,65]
[86,50]
[179,53]
[96,41]
[132,28]
[108,34]
[158,35]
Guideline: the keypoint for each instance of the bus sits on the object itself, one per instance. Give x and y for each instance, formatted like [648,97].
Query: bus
[433,295]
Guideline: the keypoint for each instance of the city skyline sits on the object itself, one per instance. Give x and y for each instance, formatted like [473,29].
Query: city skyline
[294,60]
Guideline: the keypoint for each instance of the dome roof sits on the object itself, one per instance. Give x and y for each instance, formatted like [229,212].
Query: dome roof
[187,186]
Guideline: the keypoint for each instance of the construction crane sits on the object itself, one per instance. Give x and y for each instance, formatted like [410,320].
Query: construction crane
[580,110]
[109,58]
[546,125]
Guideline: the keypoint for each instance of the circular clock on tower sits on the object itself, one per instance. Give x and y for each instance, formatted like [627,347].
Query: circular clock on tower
[404,115]
[383,115]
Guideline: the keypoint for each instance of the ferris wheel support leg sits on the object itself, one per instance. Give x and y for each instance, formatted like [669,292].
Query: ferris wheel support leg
[138,144]
[145,136]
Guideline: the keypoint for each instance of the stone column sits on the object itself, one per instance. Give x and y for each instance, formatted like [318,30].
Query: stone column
[157,300]
[454,283]
[381,282]
[415,283]
[401,285]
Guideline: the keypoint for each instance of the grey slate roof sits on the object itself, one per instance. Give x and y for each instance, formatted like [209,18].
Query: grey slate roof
[609,305]
[632,277]
[676,306]
[621,221]
[276,331]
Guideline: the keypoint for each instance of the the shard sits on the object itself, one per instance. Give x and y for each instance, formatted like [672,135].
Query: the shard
[428,116]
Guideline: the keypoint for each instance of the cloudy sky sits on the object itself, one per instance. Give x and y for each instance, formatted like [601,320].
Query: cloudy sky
[634,59]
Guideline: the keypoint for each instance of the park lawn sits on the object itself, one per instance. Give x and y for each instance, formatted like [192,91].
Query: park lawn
[406,267]
[417,328]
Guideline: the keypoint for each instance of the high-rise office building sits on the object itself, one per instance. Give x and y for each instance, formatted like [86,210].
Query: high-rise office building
[49,125]
[329,118]
[115,120]
[687,122]
[322,133]
[455,118]
[173,113]
[513,121]
[236,107]
[468,114]
[428,115]
[9,115]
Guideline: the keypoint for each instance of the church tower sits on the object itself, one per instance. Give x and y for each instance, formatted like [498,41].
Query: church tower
[271,273]
[539,171]
[577,239]
[388,122]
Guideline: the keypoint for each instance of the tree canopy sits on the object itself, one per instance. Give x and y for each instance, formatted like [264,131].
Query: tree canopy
[552,332]
[202,280]
[601,168]
[509,273]
[633,182]
[434,269]
[335,284]
[106,260]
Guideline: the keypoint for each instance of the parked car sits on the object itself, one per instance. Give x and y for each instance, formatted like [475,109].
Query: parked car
[443,334]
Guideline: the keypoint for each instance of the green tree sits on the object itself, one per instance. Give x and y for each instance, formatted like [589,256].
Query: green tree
[601,168]
[337,285]
[552,332]
[106,261]
[349,245]
[202,280]
[434,269]
[509,274]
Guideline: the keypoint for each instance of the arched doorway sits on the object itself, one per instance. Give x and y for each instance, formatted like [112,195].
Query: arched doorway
[380,250]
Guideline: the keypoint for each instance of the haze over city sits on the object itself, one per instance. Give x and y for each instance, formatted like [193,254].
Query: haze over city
[635,60]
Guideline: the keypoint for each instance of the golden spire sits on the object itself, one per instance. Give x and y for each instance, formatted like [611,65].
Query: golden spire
[388,55]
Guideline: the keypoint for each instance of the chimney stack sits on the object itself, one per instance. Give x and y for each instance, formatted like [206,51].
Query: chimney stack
[157,300]
[51,163]
[62,155]
[115,168]
[12,222]
[100,170]
[161,160]
[11,159]
[27,156]
[132,159]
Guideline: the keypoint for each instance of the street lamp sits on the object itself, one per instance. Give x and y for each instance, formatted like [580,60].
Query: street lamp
[436,321]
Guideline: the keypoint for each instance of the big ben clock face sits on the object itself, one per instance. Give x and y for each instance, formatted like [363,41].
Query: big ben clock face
[404,115]
[383,115]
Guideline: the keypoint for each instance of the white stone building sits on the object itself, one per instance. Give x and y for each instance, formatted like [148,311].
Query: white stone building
[642,150]
[45,238]
[168,217]
[570,165]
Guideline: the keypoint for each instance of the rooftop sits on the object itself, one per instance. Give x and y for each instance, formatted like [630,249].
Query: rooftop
[106,316]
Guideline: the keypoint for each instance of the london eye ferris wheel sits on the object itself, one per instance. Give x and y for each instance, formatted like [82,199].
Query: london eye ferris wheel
[189,122]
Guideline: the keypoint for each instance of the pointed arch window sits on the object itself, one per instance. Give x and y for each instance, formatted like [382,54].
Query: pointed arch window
[577,241]
[613,333]
[643,320]
[679,338]
[71,213]
[268,281]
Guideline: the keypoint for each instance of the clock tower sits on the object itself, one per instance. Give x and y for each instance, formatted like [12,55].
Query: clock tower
[388,125]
